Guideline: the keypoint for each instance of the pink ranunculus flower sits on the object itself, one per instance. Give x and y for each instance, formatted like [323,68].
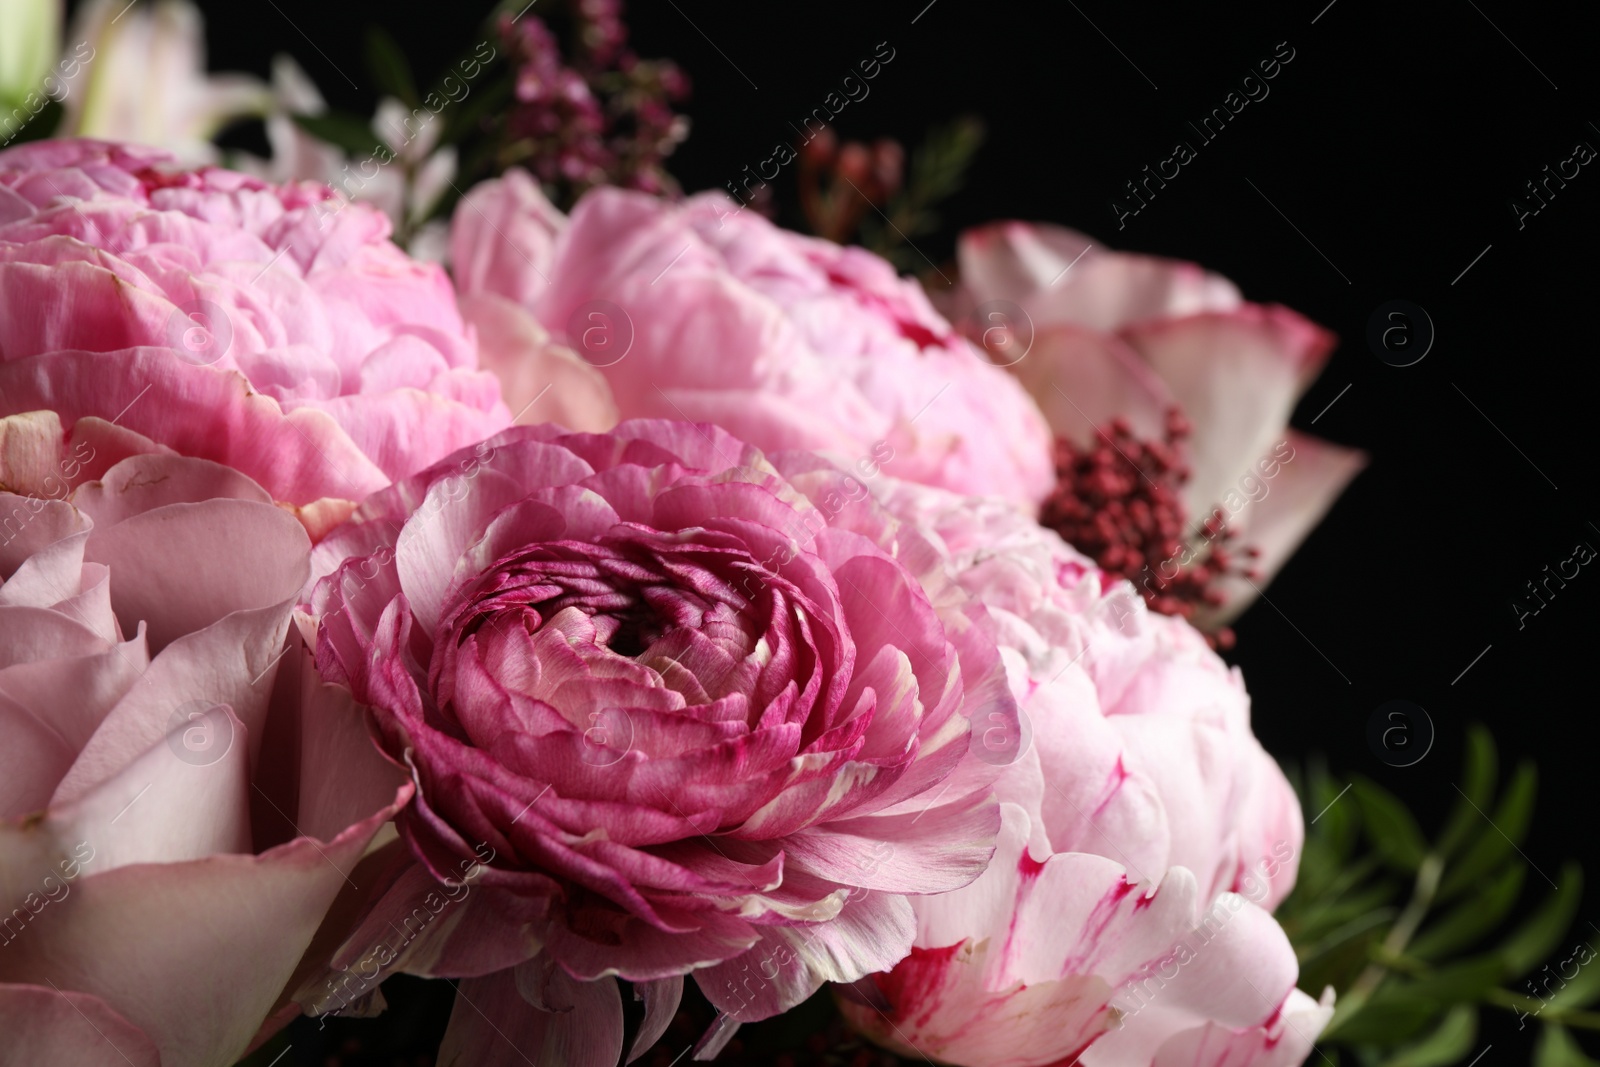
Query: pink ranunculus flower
[178,809]
[698,310]
[1125,918]
[1121,335]
[275,328]
[676,707]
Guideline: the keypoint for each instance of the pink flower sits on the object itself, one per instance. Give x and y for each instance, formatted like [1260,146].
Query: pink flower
[1116,334]
[676,708]
[276,329]
[697,310]
[179,797]
[1146,835]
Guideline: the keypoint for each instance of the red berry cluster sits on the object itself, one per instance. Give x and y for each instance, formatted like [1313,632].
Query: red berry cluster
[1119,502]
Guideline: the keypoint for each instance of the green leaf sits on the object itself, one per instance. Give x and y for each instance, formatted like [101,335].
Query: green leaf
[1319,920]
[1578,991]
[1390,826]
[389,68]
[1478,775]
[1449,1042]
[1500,835]
[1364,926]
[1385,1021]
[1556,1048]
[1471,919]
[341,130]
[1537,938]
[1328,817]
[1457,982]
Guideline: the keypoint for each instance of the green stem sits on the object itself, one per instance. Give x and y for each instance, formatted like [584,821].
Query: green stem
[1400,935]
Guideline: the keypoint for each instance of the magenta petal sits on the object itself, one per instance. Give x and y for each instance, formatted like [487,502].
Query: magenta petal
[661,1000]
[872,933]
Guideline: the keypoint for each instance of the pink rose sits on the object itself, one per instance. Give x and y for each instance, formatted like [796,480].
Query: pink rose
[1116,334]
[1146,835]
[276,329]
[698,310]
[670,707]
[179,802]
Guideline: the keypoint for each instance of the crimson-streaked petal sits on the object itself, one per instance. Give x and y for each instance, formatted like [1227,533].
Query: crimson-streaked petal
[1287,1042]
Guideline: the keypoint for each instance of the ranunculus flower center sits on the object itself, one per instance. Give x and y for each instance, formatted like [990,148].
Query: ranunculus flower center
[683,707]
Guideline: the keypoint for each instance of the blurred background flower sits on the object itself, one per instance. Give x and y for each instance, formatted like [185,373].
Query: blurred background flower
[147,80]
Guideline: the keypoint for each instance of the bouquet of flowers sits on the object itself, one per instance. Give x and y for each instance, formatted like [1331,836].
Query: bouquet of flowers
[668,632]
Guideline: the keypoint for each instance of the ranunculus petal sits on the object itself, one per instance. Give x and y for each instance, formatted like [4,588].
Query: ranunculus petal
[872,933]
[661,1000]
[494,1025]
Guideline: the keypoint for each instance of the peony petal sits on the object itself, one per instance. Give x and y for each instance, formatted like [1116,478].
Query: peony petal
[541,380]
[200,411]
[1286,1043]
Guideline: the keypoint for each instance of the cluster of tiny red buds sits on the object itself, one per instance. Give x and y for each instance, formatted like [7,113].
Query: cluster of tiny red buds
[1119,501]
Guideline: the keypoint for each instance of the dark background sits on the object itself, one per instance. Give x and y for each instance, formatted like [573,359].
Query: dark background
[1394,141]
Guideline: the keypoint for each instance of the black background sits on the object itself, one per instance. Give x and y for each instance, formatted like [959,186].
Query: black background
[1394,141]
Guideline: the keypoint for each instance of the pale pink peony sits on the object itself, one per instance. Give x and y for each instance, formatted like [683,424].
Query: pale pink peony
[1124,920]
[274,328]
[694,711]
[698,310]
[1117,334]
[180,802]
